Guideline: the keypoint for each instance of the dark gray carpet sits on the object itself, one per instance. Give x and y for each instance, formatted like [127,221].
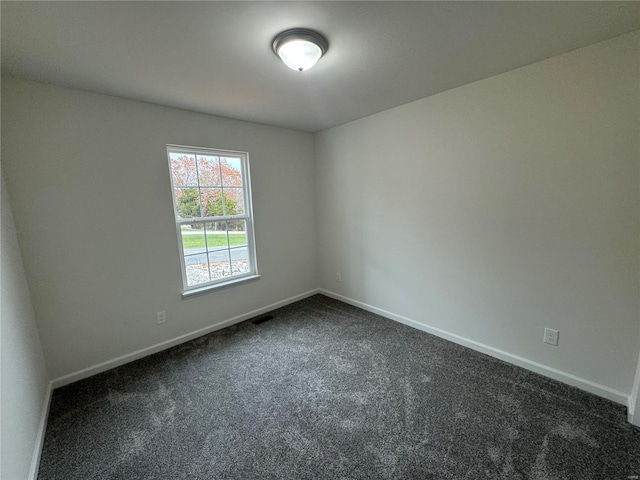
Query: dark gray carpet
[328,391]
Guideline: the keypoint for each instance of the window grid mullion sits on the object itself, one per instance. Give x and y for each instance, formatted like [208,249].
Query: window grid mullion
[189,221]
[224,204]
[204,186]
[204,225]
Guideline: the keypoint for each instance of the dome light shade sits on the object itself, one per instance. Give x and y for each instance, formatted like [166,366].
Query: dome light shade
[300,48]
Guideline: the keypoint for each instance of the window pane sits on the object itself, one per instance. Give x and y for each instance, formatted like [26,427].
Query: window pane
[233,201]
[237,233]
[231,168]
[187,202]
[183,169]
[217,256]
[219,265]
[217,236]
[197,269]
[239,260]
[208,171]
[193,239]
[212,201]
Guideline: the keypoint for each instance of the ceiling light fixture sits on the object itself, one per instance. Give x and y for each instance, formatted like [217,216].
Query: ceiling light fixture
[300,48]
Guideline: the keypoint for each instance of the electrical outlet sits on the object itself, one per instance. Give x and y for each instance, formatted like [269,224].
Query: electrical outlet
[551,336]
[338,277]
[161,317]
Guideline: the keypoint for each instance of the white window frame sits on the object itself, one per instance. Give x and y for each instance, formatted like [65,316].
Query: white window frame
[247,217]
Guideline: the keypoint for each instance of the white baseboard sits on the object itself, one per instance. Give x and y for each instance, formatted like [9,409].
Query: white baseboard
[130,357]
[633,409]
[564,377]
[42,428]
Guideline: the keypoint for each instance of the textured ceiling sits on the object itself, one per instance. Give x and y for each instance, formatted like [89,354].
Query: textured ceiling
[215,57]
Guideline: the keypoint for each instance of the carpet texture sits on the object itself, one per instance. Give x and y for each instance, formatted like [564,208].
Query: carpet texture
[324,390]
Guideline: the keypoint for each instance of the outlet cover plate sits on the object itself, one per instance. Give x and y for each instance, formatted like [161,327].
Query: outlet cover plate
[551,336]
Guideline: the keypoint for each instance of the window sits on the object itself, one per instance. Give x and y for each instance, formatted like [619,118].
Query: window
[212,206]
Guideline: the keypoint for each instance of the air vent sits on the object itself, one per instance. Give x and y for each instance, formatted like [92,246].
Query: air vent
[260,320]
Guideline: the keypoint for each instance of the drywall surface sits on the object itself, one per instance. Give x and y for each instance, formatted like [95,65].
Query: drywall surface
[24,379]
[499,208]
[89,182]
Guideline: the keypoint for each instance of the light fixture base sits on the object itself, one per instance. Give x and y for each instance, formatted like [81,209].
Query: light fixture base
[300,48]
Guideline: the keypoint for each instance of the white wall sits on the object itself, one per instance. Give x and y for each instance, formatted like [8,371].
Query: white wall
[89,183]
[489,211]
[24,379]
[498,208]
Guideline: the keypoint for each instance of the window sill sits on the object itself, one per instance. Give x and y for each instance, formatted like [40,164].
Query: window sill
[218,286]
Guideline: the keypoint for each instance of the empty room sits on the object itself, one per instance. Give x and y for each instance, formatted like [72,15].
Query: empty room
[320,240]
